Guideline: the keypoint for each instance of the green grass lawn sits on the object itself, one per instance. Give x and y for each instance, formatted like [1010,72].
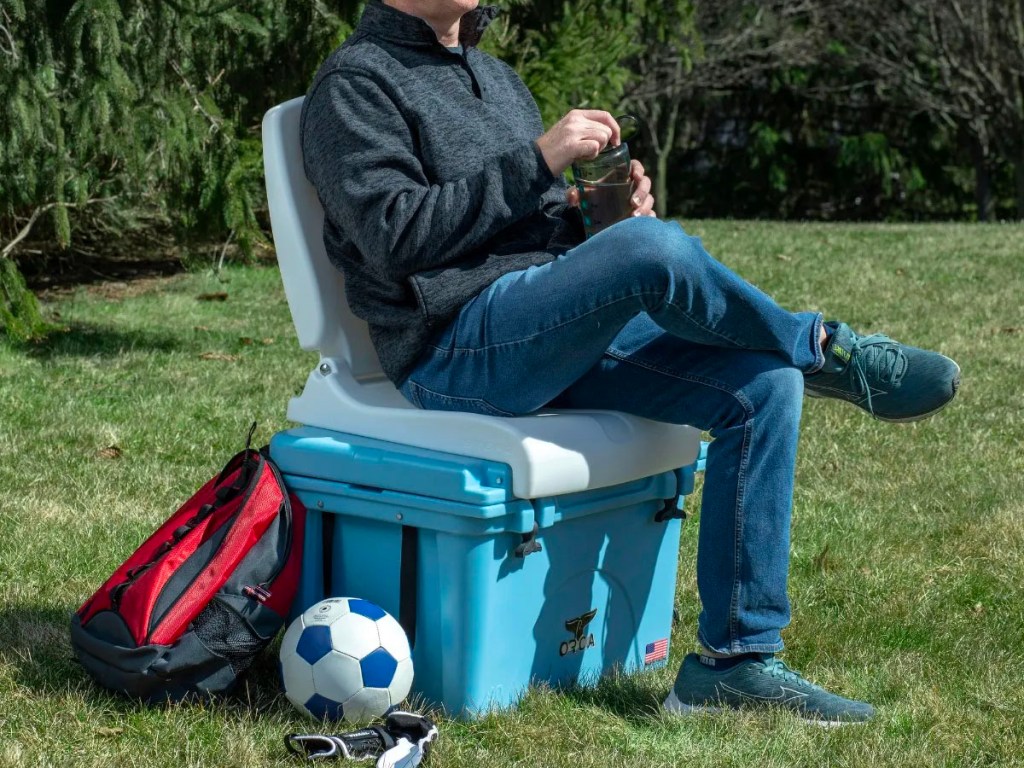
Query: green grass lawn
[907,539]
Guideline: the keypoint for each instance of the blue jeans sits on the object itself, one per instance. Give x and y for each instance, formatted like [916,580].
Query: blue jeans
[641,319]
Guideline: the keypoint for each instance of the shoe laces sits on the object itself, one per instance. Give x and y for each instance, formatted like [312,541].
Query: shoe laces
[777,668]
[878,358]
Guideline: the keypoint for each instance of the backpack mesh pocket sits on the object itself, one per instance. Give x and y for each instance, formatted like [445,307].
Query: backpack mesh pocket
[227,634]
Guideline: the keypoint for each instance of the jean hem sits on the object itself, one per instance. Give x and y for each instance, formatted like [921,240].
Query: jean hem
[819,356]
[736,648]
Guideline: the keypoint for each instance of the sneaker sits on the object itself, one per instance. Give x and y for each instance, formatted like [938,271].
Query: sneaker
[757,682]
[889,380]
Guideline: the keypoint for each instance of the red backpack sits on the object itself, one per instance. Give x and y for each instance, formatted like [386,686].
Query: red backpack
[187,613]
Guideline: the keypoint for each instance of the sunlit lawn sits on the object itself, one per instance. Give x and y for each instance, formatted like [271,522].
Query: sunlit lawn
[907,566]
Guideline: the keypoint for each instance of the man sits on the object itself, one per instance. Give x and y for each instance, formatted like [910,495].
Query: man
[461,247]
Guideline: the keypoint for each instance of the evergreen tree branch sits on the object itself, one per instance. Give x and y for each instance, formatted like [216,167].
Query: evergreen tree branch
[225,6]
[25,230]
[224,253]
[11,48]
[215,122]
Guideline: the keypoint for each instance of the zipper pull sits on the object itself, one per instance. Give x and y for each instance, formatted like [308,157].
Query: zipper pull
[258,592]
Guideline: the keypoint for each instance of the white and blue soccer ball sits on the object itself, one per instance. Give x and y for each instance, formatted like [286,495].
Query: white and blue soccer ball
[345,659]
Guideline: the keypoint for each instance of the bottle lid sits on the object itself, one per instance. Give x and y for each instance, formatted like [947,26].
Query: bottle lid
[629,126]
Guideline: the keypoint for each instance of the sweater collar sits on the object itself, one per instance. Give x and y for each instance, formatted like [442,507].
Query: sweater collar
[390,23]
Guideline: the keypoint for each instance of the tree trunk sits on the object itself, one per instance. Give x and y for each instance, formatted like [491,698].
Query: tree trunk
[1019,168]
[661,184]
[982,183]
[661,176]
[983,192]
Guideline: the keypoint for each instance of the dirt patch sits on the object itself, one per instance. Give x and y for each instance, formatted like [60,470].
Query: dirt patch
[124,290]
[113,290]
[52,274]
[116,272]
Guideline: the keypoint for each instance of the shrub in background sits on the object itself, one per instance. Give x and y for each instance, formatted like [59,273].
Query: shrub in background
[125,114]
[143,116]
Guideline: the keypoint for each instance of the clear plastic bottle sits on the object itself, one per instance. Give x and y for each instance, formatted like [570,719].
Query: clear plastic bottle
[604,183]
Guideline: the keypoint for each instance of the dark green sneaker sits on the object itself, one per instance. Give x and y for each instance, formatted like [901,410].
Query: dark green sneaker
[759,682]
[889,380]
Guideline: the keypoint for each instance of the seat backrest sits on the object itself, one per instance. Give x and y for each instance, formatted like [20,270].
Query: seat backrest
[314,286]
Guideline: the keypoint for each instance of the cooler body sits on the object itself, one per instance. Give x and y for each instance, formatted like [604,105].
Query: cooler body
[499,592]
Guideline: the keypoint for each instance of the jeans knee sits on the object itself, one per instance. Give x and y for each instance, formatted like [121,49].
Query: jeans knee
[658,249]
[777,392]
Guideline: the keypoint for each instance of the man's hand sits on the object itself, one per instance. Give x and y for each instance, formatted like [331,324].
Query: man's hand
[580,135]
[642,199]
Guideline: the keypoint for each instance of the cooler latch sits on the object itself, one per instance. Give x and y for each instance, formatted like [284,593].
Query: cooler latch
[671,510]
[530,543]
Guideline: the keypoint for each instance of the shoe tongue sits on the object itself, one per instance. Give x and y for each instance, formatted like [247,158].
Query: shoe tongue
[839,349]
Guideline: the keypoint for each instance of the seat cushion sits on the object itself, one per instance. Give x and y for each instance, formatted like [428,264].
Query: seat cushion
[550,453]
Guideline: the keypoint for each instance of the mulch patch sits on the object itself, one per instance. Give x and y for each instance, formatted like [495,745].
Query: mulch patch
[53,274]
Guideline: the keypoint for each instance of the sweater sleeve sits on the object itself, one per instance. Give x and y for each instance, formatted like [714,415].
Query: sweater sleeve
[359,153]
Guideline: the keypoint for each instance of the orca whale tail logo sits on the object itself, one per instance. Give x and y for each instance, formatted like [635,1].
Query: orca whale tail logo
[578,626]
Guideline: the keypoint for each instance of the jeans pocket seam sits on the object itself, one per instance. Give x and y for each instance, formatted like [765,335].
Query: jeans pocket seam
[472,404]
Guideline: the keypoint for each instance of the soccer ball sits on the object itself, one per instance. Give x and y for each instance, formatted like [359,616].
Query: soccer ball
[345,659]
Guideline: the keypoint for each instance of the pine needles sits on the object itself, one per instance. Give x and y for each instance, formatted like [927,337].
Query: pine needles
[152,104]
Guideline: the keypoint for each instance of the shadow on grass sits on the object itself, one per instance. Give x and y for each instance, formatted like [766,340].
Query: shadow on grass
[635,698]
[90,340]
[35,648]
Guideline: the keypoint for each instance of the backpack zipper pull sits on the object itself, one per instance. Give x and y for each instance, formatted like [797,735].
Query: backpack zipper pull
[258,592]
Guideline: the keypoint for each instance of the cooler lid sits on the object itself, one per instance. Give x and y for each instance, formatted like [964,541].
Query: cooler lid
[364,461]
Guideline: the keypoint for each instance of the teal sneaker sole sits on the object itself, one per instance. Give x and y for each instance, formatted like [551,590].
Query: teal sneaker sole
[674,706]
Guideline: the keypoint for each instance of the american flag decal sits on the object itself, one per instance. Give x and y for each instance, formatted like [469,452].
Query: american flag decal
[656,651]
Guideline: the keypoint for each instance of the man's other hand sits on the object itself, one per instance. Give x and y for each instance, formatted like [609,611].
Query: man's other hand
[580,135]
[642,199]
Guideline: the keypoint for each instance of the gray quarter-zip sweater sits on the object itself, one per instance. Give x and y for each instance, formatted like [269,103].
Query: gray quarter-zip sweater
[427,166]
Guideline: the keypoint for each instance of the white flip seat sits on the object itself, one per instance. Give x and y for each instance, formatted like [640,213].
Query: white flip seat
[550,453]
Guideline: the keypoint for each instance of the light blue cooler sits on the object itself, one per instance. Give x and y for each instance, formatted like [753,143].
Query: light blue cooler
[538,548]
[504,591]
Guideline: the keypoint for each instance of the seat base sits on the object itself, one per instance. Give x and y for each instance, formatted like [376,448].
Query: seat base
[550,453]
